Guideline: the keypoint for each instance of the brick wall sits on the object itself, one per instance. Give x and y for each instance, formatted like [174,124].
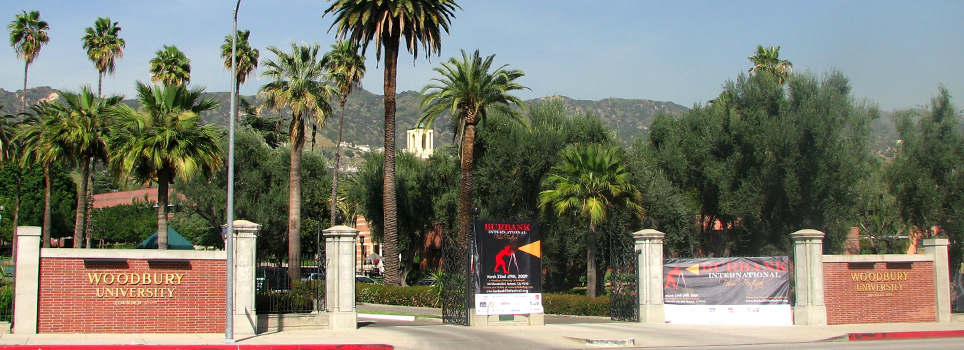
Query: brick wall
[885,292]
[97,296]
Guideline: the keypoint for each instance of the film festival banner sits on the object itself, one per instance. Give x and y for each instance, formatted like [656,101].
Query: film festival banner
[508,268]
[738,291]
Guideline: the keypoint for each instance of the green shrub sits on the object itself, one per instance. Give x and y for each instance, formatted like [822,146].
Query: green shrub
[392,295]
[6,302]
[575,305]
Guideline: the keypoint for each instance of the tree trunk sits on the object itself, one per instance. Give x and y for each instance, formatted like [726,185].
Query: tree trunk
[163,180]
[591,262]
[81,203]
[466,162]
[390,258]
[89,210]
[297,141]
[16,214]
[334,176]
[23,99]
[100,81]
[47,215]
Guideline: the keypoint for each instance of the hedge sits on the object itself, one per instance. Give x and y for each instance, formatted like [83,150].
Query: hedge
[559,304]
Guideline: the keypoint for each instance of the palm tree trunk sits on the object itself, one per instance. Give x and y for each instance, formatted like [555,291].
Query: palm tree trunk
[23,99]
[297,138]
[89,210]
[466,162]
[100,80]
[16,213]
[334,176]
[392,277]
[47,215]
[81,203]
[591,262]
[163,180]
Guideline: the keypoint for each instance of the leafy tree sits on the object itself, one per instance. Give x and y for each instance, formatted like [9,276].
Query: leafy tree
[164,140]
[591,179]
[43,147]
[104,46]
[345,69]
[387,22]
[170,67]
[126,223]
[11,152]
[296,85]
[466,90]
[29,184]
[927,175]
[246,57]
[28,34]
[768,60]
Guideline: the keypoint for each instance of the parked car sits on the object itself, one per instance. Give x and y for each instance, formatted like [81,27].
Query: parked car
[364,279]
[270,278]
[428,281]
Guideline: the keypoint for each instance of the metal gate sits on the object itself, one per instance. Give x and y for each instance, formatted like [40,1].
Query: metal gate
[455,295]
[277,293]
[623,279]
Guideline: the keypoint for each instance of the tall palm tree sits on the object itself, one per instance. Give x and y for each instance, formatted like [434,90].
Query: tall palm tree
[345,69]
[387,22]
[467,89]
[165,139]
[104,46]
[43,147]
[170,67]
[296,85]
[590,180]
[246,57]
[768,60]
[28,34]
[83,126]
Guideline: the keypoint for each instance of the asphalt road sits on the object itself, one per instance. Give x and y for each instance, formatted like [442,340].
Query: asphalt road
[929,344]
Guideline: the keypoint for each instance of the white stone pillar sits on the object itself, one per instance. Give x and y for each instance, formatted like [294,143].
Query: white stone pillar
[27,293]
[340,277]
[245,246]
[649,247]
[937,247]
[810,309]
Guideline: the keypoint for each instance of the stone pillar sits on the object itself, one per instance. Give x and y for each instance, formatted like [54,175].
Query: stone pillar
[245,246]
[649,247]
[937,247]
[27,293]
[340,277]
[810,309]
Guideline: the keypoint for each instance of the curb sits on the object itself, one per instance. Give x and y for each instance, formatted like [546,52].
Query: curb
[904,335]
[200,347]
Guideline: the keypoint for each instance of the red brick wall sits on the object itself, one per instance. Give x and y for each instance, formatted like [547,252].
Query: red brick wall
[190,298]
[909,298]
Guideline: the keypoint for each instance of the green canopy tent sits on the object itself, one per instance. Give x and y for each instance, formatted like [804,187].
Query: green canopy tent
[174,241]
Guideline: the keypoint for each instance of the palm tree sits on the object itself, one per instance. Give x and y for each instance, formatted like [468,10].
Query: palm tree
[28,34]
[163,140]
[768,60]
[170,67]
[296,85]
[386,22]
[247,57]
[104,47]
[83,127]
[43,147]
[590,180]
[11,149]
[467,89]
[345,69]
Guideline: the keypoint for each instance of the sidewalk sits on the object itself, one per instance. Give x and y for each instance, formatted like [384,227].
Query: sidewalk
[560,332]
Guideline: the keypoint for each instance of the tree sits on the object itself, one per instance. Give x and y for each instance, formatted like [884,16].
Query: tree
[466,90]
[104,46]
[28,34]
[164,140]
[246,61]
[345,69]
[386,22]
[170,67]
[82,125]
[768,60]
[43,147]
[590,180]
[295,85]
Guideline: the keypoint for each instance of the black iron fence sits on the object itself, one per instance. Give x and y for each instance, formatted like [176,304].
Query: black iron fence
[277,292]
[623,279]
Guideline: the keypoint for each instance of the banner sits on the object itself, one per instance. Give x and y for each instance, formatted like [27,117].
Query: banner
[746,291]
[508,268]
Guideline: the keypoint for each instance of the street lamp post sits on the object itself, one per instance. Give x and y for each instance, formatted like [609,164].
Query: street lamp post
[229,242]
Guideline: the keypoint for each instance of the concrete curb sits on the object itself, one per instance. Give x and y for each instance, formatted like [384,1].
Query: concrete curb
[904,335]
[200,347]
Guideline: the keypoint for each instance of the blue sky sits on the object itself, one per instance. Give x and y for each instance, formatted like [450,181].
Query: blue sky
[895,52]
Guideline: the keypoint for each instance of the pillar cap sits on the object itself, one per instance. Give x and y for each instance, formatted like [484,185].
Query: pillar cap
[28,231]
[648,234]
[807,234]
[930,242]
[341,230]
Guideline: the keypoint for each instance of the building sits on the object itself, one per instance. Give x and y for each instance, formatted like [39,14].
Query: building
[420,141]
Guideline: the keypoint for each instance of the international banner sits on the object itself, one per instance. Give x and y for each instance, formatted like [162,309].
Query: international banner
[740,291]
[508,268]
